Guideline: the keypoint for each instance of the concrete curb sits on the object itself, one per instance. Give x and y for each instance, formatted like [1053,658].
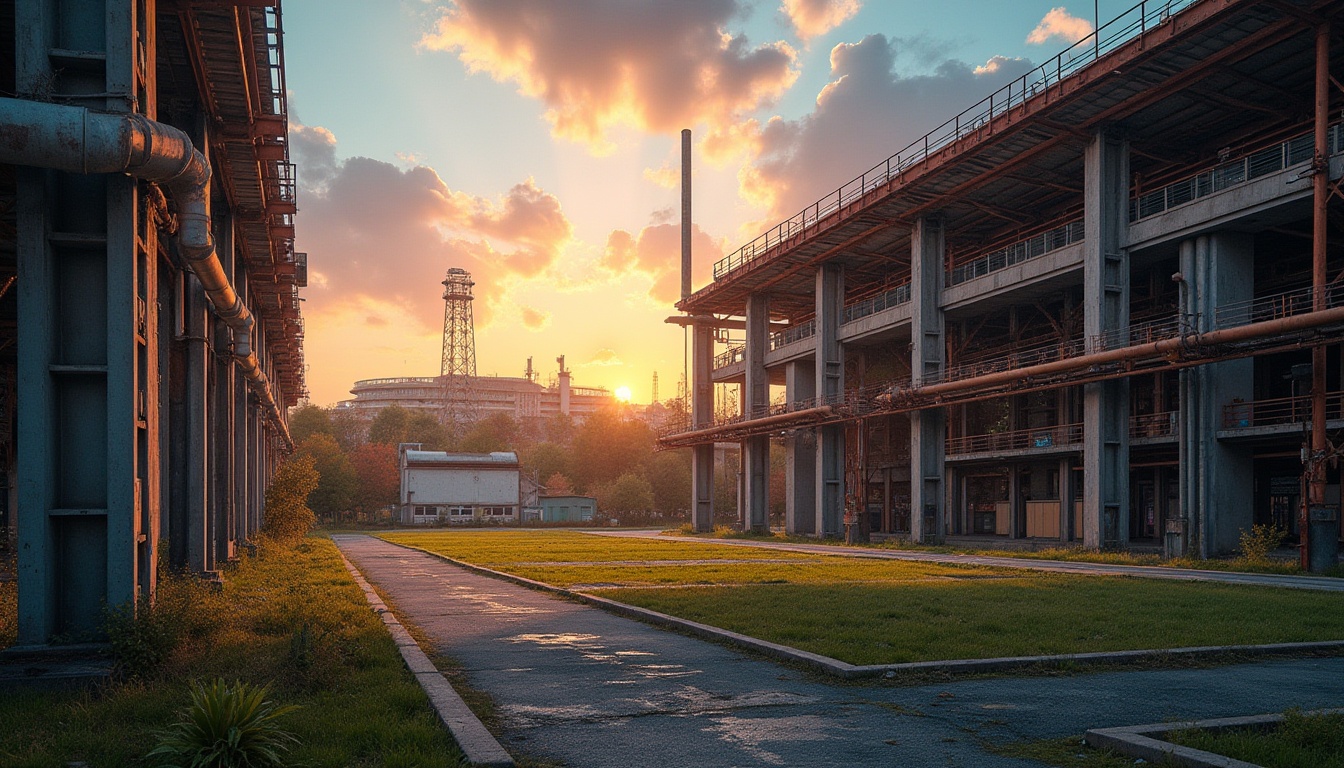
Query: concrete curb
[1147,741]
[479,745]
[841,669]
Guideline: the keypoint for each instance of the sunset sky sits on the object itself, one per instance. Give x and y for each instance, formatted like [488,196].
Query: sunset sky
[536,144]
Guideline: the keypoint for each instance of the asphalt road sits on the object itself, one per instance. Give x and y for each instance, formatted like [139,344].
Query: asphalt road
[588,689]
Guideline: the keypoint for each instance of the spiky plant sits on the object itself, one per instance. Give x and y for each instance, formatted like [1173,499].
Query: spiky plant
[226,726]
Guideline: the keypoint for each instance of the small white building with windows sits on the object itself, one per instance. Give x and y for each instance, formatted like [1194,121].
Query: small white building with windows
[442,487]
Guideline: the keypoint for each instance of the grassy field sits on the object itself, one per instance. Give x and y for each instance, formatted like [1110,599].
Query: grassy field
[880,612]
[1301,741]
[359,706]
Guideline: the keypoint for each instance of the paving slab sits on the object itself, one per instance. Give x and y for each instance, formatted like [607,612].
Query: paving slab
[583,687]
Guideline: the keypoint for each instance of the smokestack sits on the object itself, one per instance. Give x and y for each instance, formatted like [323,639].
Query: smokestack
[685,212]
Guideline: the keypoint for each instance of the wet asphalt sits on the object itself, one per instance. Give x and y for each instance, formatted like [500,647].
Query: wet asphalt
[585,688]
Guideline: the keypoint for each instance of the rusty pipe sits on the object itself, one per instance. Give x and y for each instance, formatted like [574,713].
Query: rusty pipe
[807,414]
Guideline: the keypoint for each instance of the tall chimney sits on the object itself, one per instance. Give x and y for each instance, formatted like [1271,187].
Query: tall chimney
[685,212]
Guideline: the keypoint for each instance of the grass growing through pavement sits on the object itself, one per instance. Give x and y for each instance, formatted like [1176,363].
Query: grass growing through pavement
[360,707]
[1301,741]
[880,612]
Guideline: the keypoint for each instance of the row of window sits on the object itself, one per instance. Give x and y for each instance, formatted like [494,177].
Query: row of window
[461,512]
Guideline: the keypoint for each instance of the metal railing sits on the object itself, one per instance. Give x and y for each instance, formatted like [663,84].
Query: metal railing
[1294,151]
[1018,252]
[1040,438]
[794,333]
[1279,305]
[731,355]
[1161,424]
[1279,411]
[871,306]
[974,120]
[1049,351]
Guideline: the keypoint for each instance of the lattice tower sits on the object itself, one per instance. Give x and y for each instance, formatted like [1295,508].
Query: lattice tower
[457,368]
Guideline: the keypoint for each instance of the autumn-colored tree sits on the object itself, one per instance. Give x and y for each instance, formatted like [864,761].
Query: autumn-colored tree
[308,420]
[497,432]
[394,425]
[287,516]
[558,485]
[378,480]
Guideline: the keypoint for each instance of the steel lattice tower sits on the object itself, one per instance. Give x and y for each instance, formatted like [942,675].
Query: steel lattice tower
[457,368]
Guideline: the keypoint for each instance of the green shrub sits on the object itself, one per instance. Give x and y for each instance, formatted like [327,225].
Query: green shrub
[288,518]
[226,726]
[1259,541]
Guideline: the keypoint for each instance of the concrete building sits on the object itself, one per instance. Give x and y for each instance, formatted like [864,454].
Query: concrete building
[520,398]
[147,211]
[1099,306]
[441,487]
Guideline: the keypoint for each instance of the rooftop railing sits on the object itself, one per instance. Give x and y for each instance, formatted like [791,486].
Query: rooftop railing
[1039,438]
[1232,173]
[1278,411]
[971,121]
[1018,252]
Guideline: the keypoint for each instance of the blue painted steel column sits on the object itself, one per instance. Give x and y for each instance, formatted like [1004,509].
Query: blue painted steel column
[1106,323]
[928,428]
[756,450]
[830,385]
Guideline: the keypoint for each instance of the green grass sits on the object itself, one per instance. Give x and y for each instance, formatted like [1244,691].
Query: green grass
[1068,752]
[1068,554]
[1301,741]
[891,611]
[360,707]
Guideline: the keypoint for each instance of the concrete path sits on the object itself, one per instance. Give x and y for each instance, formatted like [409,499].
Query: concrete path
[588,689]
[1321,583]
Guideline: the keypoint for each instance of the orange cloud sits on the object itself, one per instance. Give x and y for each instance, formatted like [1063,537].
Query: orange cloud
[656,252]
[604,358]
[811,18]
[595,64]
[1059,23]
[379,232]
[534,319]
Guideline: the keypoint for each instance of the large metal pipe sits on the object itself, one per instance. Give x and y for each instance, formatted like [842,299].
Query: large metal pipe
[805,415]
[78,140]
[1315,464]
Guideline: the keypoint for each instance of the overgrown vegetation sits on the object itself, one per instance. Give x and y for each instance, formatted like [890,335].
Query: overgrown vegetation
[9,598]
[288,517]
[289,618]
[1258,542]
[1301,741]
[1070,752]
[866,611]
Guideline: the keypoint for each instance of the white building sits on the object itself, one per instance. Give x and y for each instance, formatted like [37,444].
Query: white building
[437,486]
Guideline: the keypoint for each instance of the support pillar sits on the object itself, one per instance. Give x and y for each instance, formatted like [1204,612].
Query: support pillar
[1216,477]
[702,413]
[830,386]
[800,480]
[1106,323]
[928,427]
[755,509]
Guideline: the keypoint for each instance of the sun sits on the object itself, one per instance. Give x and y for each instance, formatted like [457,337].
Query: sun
[623,393]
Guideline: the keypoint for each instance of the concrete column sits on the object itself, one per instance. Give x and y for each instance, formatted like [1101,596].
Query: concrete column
[1105,320]
[928,428]
[194,517]
[1216,478]
[1065,497]
[755,508]
[830,386]
[702,413]
[800,480]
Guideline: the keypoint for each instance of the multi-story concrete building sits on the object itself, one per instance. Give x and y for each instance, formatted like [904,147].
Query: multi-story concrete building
[520,398]
[1102,306]
[146,232]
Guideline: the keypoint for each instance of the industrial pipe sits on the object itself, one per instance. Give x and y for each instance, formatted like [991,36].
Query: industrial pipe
[820,411]
[77,140]
[1162,348]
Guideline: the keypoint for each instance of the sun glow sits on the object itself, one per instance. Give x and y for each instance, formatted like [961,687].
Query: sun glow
[623,393]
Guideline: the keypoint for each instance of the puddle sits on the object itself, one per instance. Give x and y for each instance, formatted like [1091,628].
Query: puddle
[751,733]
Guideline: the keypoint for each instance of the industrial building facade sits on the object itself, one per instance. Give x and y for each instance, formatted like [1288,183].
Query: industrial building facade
[444,487]
[517,397]
[146,229]
[1103,305]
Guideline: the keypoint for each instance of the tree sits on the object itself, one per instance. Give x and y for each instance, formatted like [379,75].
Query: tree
[378,479]
[308,420]
[669,475]
[497,432]
[607,446]
[545,459]
[558,485]
[389,426]
[629,498]
[424,428]
[288,517]
[336,482]
[348,428]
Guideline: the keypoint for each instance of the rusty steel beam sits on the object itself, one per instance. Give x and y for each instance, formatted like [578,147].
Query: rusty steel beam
[1315,466]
